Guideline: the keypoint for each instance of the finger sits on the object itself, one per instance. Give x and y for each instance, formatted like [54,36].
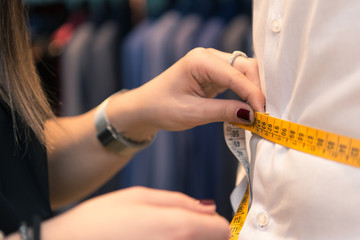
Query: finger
[165,198]
[248,66]
[197,226]
[221,110]
[177,223]
[210,227]
[205,69]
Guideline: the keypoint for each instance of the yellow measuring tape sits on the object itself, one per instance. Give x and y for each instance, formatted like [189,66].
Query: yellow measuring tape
[239,218]
[317,142]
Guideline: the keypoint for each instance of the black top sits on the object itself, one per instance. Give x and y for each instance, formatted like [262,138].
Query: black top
[24,188]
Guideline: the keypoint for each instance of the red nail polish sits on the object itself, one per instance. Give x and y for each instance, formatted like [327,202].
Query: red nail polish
[207,202]
[243,114]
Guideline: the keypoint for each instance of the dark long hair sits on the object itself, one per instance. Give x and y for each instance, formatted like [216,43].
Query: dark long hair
[20,86]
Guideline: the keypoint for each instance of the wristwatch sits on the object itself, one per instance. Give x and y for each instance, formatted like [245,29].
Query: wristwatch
[111,138]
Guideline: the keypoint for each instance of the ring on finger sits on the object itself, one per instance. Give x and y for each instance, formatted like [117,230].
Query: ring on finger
[236,54]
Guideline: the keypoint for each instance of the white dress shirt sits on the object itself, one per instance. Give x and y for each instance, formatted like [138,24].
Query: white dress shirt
[309,63]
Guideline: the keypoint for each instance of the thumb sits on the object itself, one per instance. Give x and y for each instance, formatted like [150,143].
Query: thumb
[225,110]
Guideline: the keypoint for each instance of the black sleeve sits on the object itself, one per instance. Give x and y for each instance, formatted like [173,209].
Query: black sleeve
[24,189]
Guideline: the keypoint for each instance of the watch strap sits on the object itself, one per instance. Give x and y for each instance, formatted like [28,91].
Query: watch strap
[111,138]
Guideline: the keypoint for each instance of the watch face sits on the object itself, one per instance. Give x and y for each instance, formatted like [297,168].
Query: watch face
[106,136]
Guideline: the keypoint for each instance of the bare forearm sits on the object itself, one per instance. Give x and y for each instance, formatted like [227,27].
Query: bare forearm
[78,163]
[116,216]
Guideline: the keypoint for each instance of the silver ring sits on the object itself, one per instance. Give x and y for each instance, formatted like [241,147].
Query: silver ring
[236,54]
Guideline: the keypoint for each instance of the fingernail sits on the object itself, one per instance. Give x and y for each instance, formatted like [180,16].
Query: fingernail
[207,202]
[243,114]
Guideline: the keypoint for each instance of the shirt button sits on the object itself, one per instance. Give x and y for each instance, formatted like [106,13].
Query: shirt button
[276,25]
[262,220]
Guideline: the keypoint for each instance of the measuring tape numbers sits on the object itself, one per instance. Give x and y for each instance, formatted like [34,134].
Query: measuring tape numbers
[313,141]
[317,142]
[235,140]
[240,216]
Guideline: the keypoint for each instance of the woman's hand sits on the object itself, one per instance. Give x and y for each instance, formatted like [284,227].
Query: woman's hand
[138,213]
[178,99]
[182,96]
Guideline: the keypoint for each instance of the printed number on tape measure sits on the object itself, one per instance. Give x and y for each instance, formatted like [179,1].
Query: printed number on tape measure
[240,216]
[235,140]
[317,142]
